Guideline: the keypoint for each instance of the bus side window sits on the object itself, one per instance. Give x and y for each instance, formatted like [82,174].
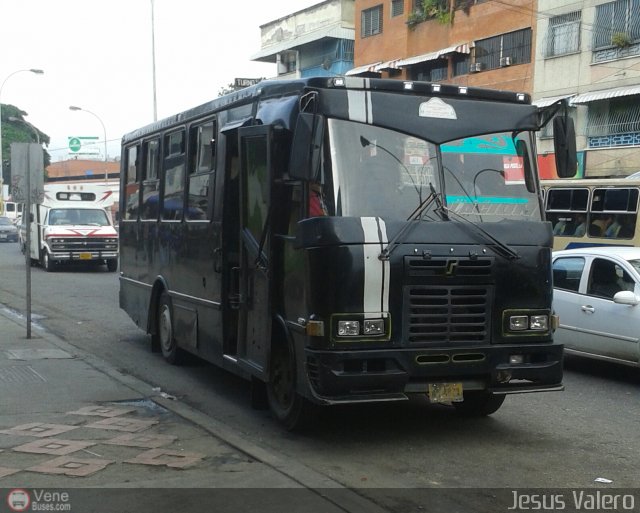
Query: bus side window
[173,174]
[150,182]
[132,180]
[202,152]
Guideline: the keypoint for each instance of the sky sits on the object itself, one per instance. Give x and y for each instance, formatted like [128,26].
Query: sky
[97,55]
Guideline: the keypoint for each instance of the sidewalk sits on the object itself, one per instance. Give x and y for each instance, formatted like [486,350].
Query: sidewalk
[68,420]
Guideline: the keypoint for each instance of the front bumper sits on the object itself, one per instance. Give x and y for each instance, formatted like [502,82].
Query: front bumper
[83,256]
[387,375]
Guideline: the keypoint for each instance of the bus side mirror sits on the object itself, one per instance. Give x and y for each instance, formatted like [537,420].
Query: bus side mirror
[564,142]
[306,147]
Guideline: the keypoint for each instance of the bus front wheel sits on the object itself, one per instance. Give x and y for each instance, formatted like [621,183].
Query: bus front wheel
[46,262]
[287,406]
[164,331]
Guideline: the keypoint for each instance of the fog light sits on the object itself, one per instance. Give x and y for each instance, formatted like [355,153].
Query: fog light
[348,328]
[516,359]
[539,323]
[373,327]
[518,322]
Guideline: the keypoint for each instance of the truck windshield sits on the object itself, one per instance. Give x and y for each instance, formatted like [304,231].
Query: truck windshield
[85,216]
[383,173]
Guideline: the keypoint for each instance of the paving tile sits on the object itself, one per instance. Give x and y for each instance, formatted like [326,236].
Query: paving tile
[71,466]
[141,440]
[38,429]
[5,471]
[174,459]
[54,446]
[122,424]
[102,411]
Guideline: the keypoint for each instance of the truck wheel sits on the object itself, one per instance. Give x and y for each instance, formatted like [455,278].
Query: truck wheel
[287,406]
[112,265]
[46,262]
[479,404]
[168,345]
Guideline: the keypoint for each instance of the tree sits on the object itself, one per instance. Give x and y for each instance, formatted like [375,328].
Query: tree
[18,131]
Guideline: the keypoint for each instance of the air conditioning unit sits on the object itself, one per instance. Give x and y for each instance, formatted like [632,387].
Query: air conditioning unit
[476,66]
[505,61]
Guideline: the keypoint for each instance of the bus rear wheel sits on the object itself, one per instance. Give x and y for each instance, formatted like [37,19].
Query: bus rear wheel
[164,331]
[479,404]
[287,406]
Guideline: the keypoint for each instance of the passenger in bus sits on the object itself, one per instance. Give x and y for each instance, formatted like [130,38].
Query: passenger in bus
[317,206]
[613,227]
[581,227]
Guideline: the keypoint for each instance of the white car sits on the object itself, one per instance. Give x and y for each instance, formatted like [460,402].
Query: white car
[597,296]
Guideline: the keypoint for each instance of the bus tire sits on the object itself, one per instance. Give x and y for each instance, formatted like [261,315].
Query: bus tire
[168,345]
[289,408]
[46,262]
[112,265]
[479,404]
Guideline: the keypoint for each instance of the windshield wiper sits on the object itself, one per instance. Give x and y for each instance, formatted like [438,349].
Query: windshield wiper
[504,249]
[415,215]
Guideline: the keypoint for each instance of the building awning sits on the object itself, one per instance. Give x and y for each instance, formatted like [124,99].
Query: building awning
[367,68]
[605,94]
[433,55]
[374,67]
[269,53]
[550,100]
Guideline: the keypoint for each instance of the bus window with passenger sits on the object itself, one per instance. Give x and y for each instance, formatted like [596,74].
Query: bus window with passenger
[592,212]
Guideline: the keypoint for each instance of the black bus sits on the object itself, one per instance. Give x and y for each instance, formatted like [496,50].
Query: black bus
[346,240]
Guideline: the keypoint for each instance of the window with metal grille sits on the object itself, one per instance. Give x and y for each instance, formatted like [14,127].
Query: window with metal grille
[371,22]
[563,34]
[616,21]
[397,7]
[614,116]
[515,45]
[430,71]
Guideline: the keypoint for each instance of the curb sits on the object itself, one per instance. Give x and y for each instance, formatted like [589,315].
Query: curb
[299,473]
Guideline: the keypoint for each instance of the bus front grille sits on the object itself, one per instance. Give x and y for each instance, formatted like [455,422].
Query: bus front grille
[455,314]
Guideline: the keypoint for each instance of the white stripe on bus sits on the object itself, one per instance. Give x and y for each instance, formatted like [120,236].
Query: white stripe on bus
[376,272]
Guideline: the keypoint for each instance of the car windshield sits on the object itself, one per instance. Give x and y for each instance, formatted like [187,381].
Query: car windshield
[85,216]
[383,173]
[5,221]
[636,264]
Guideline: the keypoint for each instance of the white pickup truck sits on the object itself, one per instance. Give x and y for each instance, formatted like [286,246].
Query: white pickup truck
[71,231]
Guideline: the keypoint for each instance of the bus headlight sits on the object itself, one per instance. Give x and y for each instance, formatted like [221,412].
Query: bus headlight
[523,322]
[539,323]
[348,328]
[518,322]
[373,327]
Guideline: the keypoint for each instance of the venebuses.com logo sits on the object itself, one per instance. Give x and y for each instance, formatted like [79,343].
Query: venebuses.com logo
[18,500]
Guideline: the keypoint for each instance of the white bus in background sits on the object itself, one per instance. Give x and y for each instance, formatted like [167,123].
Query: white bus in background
[12,210]
[72,225]
[106,196]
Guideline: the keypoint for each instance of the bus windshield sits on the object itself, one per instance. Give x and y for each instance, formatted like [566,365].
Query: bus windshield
[63,216]
[383,173]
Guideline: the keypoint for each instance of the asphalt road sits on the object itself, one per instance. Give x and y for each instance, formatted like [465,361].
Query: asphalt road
[549,440]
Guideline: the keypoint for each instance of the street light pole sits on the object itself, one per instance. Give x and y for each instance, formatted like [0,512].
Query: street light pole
[104,131]
[37,72]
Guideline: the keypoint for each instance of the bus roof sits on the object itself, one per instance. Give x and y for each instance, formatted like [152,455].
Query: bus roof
[275,88]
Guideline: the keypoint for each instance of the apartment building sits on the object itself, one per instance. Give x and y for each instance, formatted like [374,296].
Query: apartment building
[483,43]
[589,51]
[316,41]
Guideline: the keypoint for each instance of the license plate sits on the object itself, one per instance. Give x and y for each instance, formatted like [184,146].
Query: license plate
[445,392]
[85,256]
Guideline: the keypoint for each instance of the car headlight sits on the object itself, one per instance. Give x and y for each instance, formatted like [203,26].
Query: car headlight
[539,322]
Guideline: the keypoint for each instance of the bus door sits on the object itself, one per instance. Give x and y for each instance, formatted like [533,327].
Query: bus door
[254,323]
